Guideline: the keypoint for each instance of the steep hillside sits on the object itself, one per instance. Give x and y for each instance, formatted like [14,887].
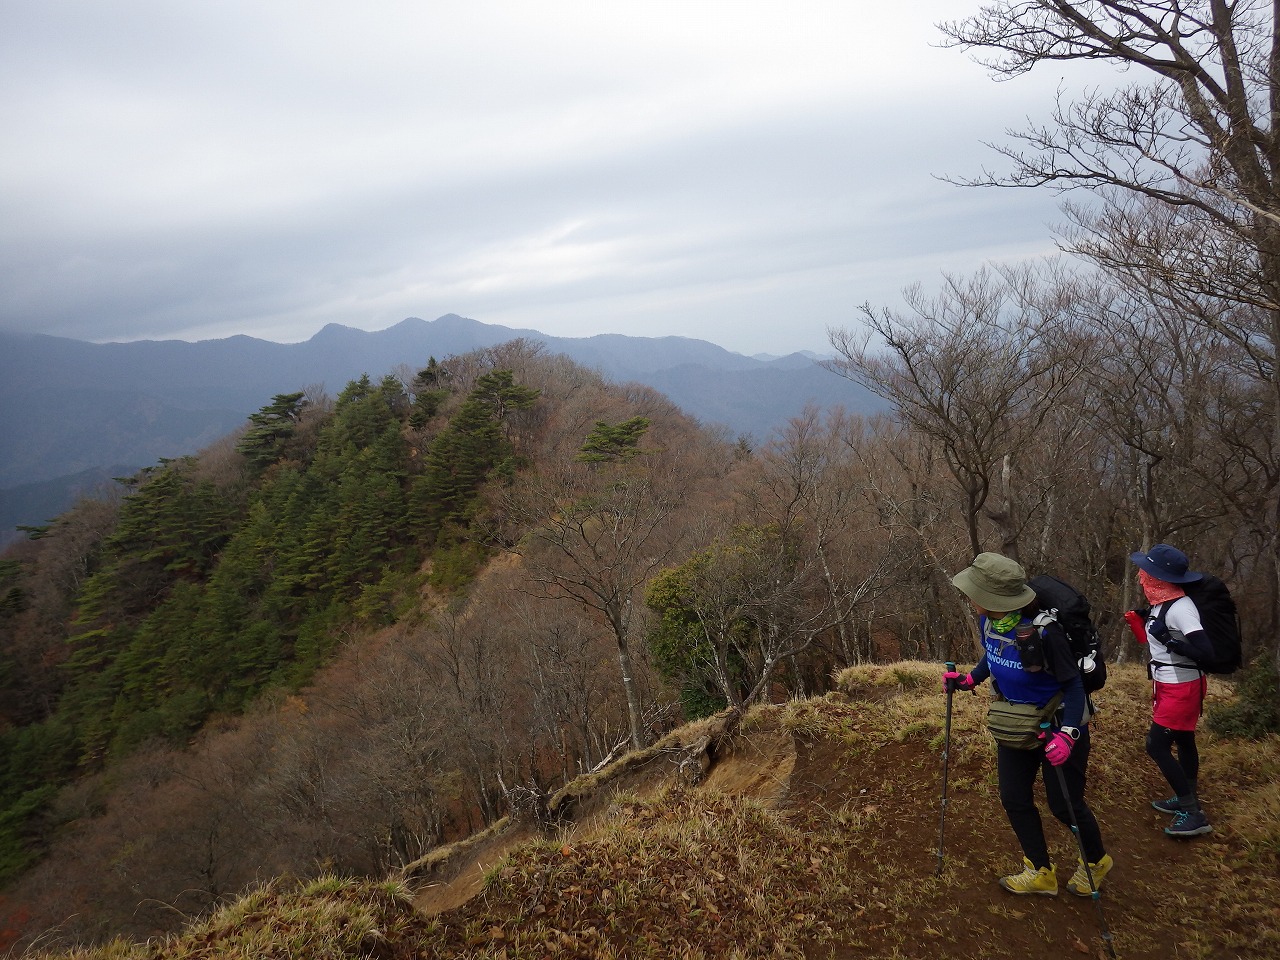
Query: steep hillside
[809,830]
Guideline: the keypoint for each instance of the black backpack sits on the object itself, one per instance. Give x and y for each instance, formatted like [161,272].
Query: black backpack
[1220,620]
[1058,600]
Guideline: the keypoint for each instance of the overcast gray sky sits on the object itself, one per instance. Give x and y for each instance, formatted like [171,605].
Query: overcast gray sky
[740,171]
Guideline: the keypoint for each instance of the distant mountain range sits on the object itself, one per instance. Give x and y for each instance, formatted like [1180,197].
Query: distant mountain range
[76,413]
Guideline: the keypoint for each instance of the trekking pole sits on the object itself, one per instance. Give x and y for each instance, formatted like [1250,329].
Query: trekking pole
[1094,892]
[946,752]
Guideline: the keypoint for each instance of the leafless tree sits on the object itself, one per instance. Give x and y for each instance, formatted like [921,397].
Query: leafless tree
[907,486]
[1192,330]
[598,535]
[571,692]
[808,470]
[1195,133]
[978,369]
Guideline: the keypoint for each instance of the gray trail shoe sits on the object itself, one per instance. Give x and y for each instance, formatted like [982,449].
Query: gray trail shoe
[1189,824]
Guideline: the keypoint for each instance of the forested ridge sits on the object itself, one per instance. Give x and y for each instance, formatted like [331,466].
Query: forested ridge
[215,578]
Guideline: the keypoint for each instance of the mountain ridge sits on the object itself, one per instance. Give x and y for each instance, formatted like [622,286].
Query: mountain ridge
[72,405]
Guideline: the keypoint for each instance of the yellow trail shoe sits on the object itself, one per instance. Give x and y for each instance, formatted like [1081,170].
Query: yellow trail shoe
[1043,880]
[1079,882]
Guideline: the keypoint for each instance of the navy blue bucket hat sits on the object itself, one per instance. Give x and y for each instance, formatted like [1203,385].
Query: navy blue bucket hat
[1166,563]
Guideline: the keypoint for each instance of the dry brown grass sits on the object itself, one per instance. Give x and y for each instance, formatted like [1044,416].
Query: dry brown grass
[841,863]
[329,917]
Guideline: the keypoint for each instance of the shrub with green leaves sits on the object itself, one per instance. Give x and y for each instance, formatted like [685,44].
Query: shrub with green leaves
[1255,711]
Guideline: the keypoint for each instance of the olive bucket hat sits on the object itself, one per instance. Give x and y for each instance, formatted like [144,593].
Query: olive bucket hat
[995,583]
[1166,563]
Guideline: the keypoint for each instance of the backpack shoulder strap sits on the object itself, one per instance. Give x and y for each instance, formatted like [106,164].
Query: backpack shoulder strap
[1158,613]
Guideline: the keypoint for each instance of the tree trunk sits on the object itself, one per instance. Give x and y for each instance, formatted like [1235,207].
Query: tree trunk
[848,651]
[1006,518]
[634,715]
[971,519]
[1273,508]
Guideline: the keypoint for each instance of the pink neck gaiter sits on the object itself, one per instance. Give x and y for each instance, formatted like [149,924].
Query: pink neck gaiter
[1159,591]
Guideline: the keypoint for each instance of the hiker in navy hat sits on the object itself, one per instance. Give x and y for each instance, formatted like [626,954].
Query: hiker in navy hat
[1172,630]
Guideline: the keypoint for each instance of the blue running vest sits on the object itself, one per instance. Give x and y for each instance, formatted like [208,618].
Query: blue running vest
[1016,684]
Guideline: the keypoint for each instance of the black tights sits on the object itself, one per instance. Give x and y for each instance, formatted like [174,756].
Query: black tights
[1018,770]
[1181,771]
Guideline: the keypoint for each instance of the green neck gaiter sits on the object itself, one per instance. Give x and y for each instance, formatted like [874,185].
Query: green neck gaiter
[1006,623]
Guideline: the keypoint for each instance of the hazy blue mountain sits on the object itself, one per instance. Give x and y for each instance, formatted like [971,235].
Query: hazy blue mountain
[73,410]
[49,498]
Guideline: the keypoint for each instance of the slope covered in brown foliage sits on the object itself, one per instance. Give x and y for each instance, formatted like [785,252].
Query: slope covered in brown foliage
[809,830]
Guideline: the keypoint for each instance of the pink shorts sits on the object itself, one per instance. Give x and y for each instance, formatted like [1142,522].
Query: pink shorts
[1178,705]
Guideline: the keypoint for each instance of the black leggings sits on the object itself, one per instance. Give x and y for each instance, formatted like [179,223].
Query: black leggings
[1017,770]
[1181,771]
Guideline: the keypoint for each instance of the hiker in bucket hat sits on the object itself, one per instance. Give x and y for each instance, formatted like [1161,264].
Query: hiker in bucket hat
[1170,628]
[1034,676]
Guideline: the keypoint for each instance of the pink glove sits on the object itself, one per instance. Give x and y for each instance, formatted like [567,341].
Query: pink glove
[1137,624]
[1057,747]
[952,680]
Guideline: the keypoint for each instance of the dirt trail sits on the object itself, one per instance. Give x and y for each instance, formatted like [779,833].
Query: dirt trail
[1157,902]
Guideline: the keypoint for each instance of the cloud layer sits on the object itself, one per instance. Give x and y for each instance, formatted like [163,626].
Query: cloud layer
[741,171]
